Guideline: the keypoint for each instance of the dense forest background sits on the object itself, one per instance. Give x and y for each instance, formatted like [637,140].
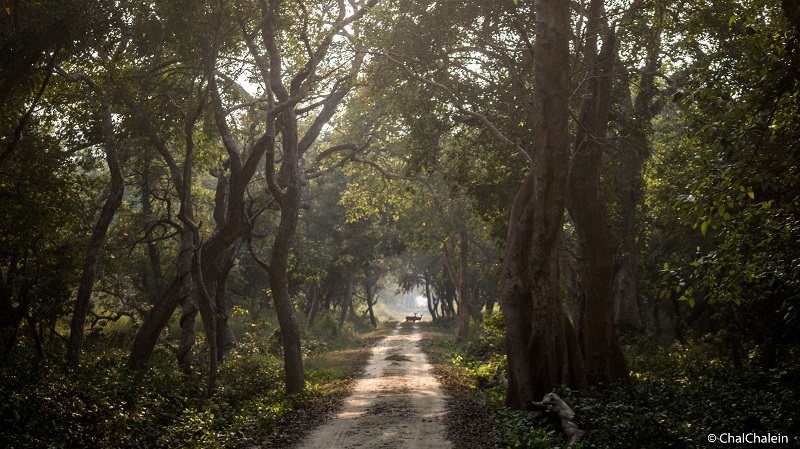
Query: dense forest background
[198,200]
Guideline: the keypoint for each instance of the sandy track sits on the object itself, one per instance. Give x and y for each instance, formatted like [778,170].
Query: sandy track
[397,404]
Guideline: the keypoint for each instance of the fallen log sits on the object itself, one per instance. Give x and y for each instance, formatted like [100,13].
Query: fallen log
[553,405]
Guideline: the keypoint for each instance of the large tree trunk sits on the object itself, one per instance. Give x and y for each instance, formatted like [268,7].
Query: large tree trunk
[86,286]
[635,122]
[597,241]
[541,346]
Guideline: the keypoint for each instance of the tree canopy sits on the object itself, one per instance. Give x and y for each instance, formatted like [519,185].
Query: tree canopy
[580,171]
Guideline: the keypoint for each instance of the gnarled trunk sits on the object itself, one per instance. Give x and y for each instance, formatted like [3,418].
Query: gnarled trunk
[596,239]
[541,346]
[279,284]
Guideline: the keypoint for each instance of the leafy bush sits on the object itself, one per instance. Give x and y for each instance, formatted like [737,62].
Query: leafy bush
[679,395]
[521,429]
[104,404]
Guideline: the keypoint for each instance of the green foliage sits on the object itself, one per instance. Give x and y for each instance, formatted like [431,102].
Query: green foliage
[747,191]
[45,197]
[99,405]
[103,404]
[723,189]
[678,395]
[523,430]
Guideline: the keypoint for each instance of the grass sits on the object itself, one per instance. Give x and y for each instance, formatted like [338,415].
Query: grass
[348,362]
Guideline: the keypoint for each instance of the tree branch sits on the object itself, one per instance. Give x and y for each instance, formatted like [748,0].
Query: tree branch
[455,102]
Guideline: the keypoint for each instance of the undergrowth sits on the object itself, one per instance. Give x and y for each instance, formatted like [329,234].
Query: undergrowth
[677,395]
[44,403]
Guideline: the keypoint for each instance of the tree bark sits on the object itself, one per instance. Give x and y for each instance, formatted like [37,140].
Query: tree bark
[278,281]
[86,286]
[596,239]
[542,349]
[635,122]
[216,275]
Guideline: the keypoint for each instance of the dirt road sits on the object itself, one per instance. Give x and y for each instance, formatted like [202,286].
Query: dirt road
[397,404]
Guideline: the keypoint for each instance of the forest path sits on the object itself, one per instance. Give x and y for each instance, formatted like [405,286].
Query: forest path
[397,404]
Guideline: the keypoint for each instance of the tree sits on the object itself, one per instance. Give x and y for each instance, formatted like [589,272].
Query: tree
[597,241]
[35,37]
[45,199]
[243,165]
[738,188]
[114,200]
[541,345]
[287,173]
[479,72]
